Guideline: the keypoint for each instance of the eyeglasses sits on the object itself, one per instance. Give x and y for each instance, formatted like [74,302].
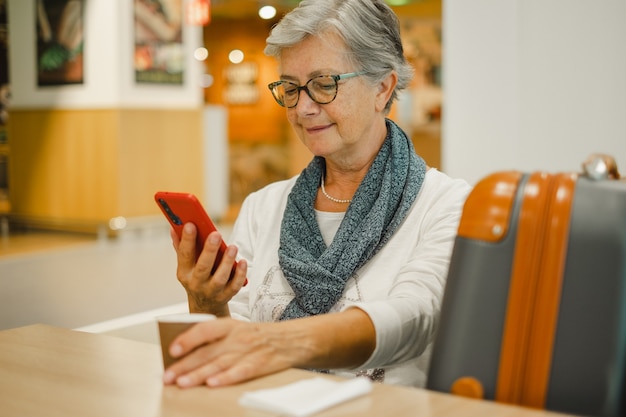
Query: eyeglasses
[322,89]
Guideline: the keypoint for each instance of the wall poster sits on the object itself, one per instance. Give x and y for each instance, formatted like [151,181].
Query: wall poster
[159,56]
[59,42]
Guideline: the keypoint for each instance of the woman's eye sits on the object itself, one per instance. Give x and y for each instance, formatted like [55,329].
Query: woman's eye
[291,92]
[323,86]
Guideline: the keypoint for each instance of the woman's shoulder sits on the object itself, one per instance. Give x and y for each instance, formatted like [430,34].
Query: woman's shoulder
[439,182]
[265,205]
[441,193]
[277,187]
[274,192]
[440,198]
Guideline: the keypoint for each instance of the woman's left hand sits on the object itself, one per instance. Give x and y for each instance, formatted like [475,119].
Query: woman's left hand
[227,351]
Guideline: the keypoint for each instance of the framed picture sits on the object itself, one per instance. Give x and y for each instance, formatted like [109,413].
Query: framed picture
[159,56]
[59,42]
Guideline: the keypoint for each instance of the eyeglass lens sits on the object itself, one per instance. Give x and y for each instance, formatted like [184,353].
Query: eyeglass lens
[322,90]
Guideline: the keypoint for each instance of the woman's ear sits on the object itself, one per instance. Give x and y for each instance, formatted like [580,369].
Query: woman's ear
[385,90]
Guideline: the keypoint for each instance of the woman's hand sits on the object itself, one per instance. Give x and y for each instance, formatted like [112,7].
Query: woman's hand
[227,351]
[207,293]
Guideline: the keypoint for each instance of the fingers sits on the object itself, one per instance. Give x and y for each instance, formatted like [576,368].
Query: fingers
[196,350]
[214,354]
[210,253]
[190,268]
[222,371]
[240,278]
[240,371]
[224,275]
[186,252]
[208,289]
[197,335]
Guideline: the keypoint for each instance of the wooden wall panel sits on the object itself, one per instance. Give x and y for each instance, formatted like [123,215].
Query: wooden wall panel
[80,168]
[63,164]
[159,150]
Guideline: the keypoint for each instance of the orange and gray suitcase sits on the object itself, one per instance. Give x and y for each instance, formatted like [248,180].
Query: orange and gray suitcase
[534,311]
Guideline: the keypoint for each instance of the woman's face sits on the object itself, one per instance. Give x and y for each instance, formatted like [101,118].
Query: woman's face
[349,127]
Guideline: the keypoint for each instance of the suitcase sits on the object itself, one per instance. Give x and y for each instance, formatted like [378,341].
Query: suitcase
[534,309]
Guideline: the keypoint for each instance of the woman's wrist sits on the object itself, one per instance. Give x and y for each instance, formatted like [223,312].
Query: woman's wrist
[198,305]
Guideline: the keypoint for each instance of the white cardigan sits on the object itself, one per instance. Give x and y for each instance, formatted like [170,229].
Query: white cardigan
[400,288]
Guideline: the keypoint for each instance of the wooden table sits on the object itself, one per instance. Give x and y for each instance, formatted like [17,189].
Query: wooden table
[49,371]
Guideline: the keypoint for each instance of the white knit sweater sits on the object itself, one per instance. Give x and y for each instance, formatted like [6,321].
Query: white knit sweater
[400,288]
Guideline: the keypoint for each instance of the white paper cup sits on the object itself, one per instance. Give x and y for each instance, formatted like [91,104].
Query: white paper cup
[172,325]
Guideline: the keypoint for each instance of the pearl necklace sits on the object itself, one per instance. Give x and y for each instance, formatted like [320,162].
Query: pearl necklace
[336,200]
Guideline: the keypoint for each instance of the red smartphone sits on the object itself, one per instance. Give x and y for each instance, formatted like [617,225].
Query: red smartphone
[181,208]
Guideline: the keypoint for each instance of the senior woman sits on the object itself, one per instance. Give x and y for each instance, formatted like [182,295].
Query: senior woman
[347,261]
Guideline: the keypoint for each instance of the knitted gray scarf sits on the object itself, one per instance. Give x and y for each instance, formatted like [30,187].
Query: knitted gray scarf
[318,274]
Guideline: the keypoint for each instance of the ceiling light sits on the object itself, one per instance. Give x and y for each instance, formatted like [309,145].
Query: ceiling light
[267,12]
[235,56]
[201,54]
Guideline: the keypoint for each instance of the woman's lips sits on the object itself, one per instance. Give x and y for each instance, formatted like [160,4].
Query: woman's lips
[317,129]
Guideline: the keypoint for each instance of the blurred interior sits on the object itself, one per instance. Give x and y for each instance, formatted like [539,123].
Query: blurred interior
[59,164]
[529,85]
[77,181]
[262,147]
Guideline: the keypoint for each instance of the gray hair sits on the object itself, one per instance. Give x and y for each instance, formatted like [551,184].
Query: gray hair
[369,28]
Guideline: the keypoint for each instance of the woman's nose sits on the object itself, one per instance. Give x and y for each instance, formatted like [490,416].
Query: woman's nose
[306,105]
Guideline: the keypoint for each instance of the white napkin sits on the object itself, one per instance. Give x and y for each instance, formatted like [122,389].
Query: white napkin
[305,397]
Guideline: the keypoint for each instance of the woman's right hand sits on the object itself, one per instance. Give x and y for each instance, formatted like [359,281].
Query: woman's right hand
[207,293]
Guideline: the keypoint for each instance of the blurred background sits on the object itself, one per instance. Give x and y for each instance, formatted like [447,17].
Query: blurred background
[103,103]
[174,98]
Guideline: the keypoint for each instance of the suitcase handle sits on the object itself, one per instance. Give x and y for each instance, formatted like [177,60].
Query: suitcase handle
[600,166]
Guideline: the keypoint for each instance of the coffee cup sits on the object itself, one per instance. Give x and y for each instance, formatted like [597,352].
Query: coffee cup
[170,326]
